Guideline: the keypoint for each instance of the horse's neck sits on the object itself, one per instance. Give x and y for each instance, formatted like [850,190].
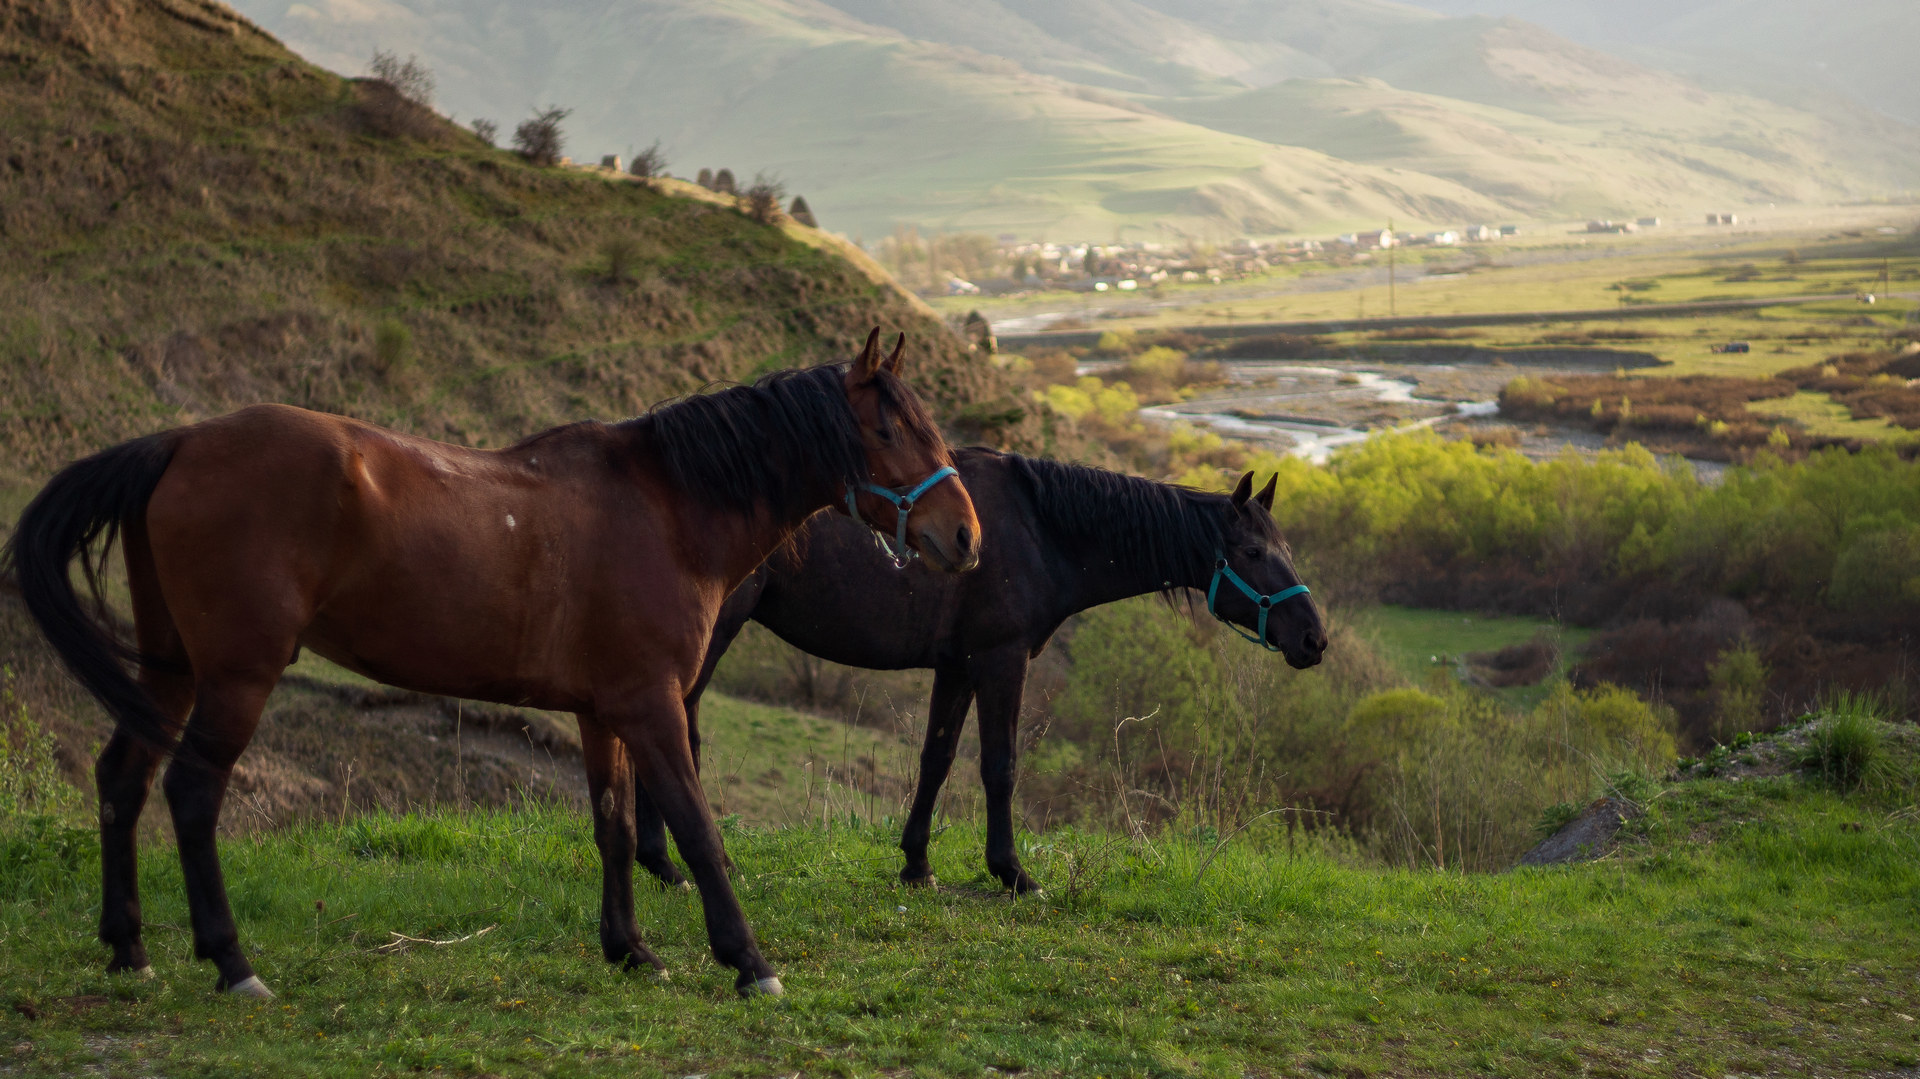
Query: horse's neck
[745,543]
[1098,573]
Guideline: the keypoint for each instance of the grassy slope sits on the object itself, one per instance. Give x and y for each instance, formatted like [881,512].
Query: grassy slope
[198,219]
[1761,926]
[1584,165]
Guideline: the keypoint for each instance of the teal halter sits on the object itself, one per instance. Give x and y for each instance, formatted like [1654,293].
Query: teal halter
[1266,602]
[898,551]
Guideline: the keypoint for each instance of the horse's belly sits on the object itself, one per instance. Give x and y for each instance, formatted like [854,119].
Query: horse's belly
[457,642]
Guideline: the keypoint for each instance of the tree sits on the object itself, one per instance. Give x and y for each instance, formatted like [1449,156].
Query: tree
[762,200]
[705,179]
[649,162]
[486,130]
[723,182]
[396,100]
[802,213]
[539,139]
[409,78]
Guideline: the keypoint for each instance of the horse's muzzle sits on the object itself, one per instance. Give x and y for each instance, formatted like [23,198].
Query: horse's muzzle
[956,553]
[1307,651]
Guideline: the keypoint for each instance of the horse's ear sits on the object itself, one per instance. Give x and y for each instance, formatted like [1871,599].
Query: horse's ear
[1243,491]
[869,359]
[1265,497]
[892,366]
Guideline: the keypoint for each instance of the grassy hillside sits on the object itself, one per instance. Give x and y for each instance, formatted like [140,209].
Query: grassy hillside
[198,219]
[1758,926]
[1774,48]
[1586,161]
[1108,117]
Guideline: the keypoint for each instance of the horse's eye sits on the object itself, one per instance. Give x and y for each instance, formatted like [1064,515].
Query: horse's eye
[1254,553]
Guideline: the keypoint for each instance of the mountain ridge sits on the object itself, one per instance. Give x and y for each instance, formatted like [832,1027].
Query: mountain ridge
[887,114]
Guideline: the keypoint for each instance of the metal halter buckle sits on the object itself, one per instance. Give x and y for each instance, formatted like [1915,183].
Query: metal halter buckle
[1264,602]
[897,550]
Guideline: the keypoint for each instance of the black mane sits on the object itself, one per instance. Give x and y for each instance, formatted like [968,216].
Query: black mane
[775,443]
[1160,530]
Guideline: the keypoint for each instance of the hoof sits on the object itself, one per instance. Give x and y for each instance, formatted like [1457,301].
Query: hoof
[765,987]
[252,987]
[663,975]
[928,881]
[143,973]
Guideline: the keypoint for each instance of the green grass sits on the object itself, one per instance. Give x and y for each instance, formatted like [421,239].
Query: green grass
[1763,926]
[1822,415]
[1419,642]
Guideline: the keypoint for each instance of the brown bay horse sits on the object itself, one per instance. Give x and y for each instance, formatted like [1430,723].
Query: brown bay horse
[581,569]
[1060,538]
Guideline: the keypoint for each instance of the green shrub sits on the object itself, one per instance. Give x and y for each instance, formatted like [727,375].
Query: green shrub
[31,786]
[392,346]
[1844,744]
[1739,680]
[1138,658]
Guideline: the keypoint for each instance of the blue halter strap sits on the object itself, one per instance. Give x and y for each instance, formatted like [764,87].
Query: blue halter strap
[1265,603]
[902,505]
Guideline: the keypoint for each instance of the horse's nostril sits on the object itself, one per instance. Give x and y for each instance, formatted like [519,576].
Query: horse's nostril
[963,538]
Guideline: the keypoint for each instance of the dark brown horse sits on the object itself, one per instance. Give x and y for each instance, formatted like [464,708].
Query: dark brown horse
[581,569]
[1059,539]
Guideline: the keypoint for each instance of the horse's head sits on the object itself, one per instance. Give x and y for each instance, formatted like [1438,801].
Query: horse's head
[1254,551]
[904,452]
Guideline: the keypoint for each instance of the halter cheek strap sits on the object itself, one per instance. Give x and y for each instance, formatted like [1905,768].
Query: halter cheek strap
[897,550]
[1264,602]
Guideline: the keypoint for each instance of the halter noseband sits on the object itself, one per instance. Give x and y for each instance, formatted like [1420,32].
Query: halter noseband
[1264,602]
[897,550]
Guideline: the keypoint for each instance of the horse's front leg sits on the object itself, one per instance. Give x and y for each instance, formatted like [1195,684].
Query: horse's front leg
[654,729]
[952,696]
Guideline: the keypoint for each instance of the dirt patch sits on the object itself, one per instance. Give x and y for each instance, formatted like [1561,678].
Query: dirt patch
[1523,664]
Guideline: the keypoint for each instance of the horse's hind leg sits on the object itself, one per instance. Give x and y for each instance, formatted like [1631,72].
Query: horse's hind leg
[610,788]
[124,773]
[224,718]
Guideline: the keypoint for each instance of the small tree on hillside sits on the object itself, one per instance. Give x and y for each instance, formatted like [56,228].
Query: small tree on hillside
[649,162]
[802,213]
[487,130]
[723,182]
[762,200]
[705,179]
[540,139]
[396,99]
[410,78]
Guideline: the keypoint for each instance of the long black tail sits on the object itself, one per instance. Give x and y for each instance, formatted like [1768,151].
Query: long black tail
[88,501]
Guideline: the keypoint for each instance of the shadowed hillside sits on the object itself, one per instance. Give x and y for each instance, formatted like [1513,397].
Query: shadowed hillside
[197,219]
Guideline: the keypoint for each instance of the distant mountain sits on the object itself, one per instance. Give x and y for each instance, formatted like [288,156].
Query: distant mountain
[1788,50]
[1138,118]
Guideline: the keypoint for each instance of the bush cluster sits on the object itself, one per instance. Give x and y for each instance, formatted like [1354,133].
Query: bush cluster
[1837,529]
[1165,720]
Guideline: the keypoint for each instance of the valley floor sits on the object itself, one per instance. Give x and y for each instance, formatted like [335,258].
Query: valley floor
[1754,926]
